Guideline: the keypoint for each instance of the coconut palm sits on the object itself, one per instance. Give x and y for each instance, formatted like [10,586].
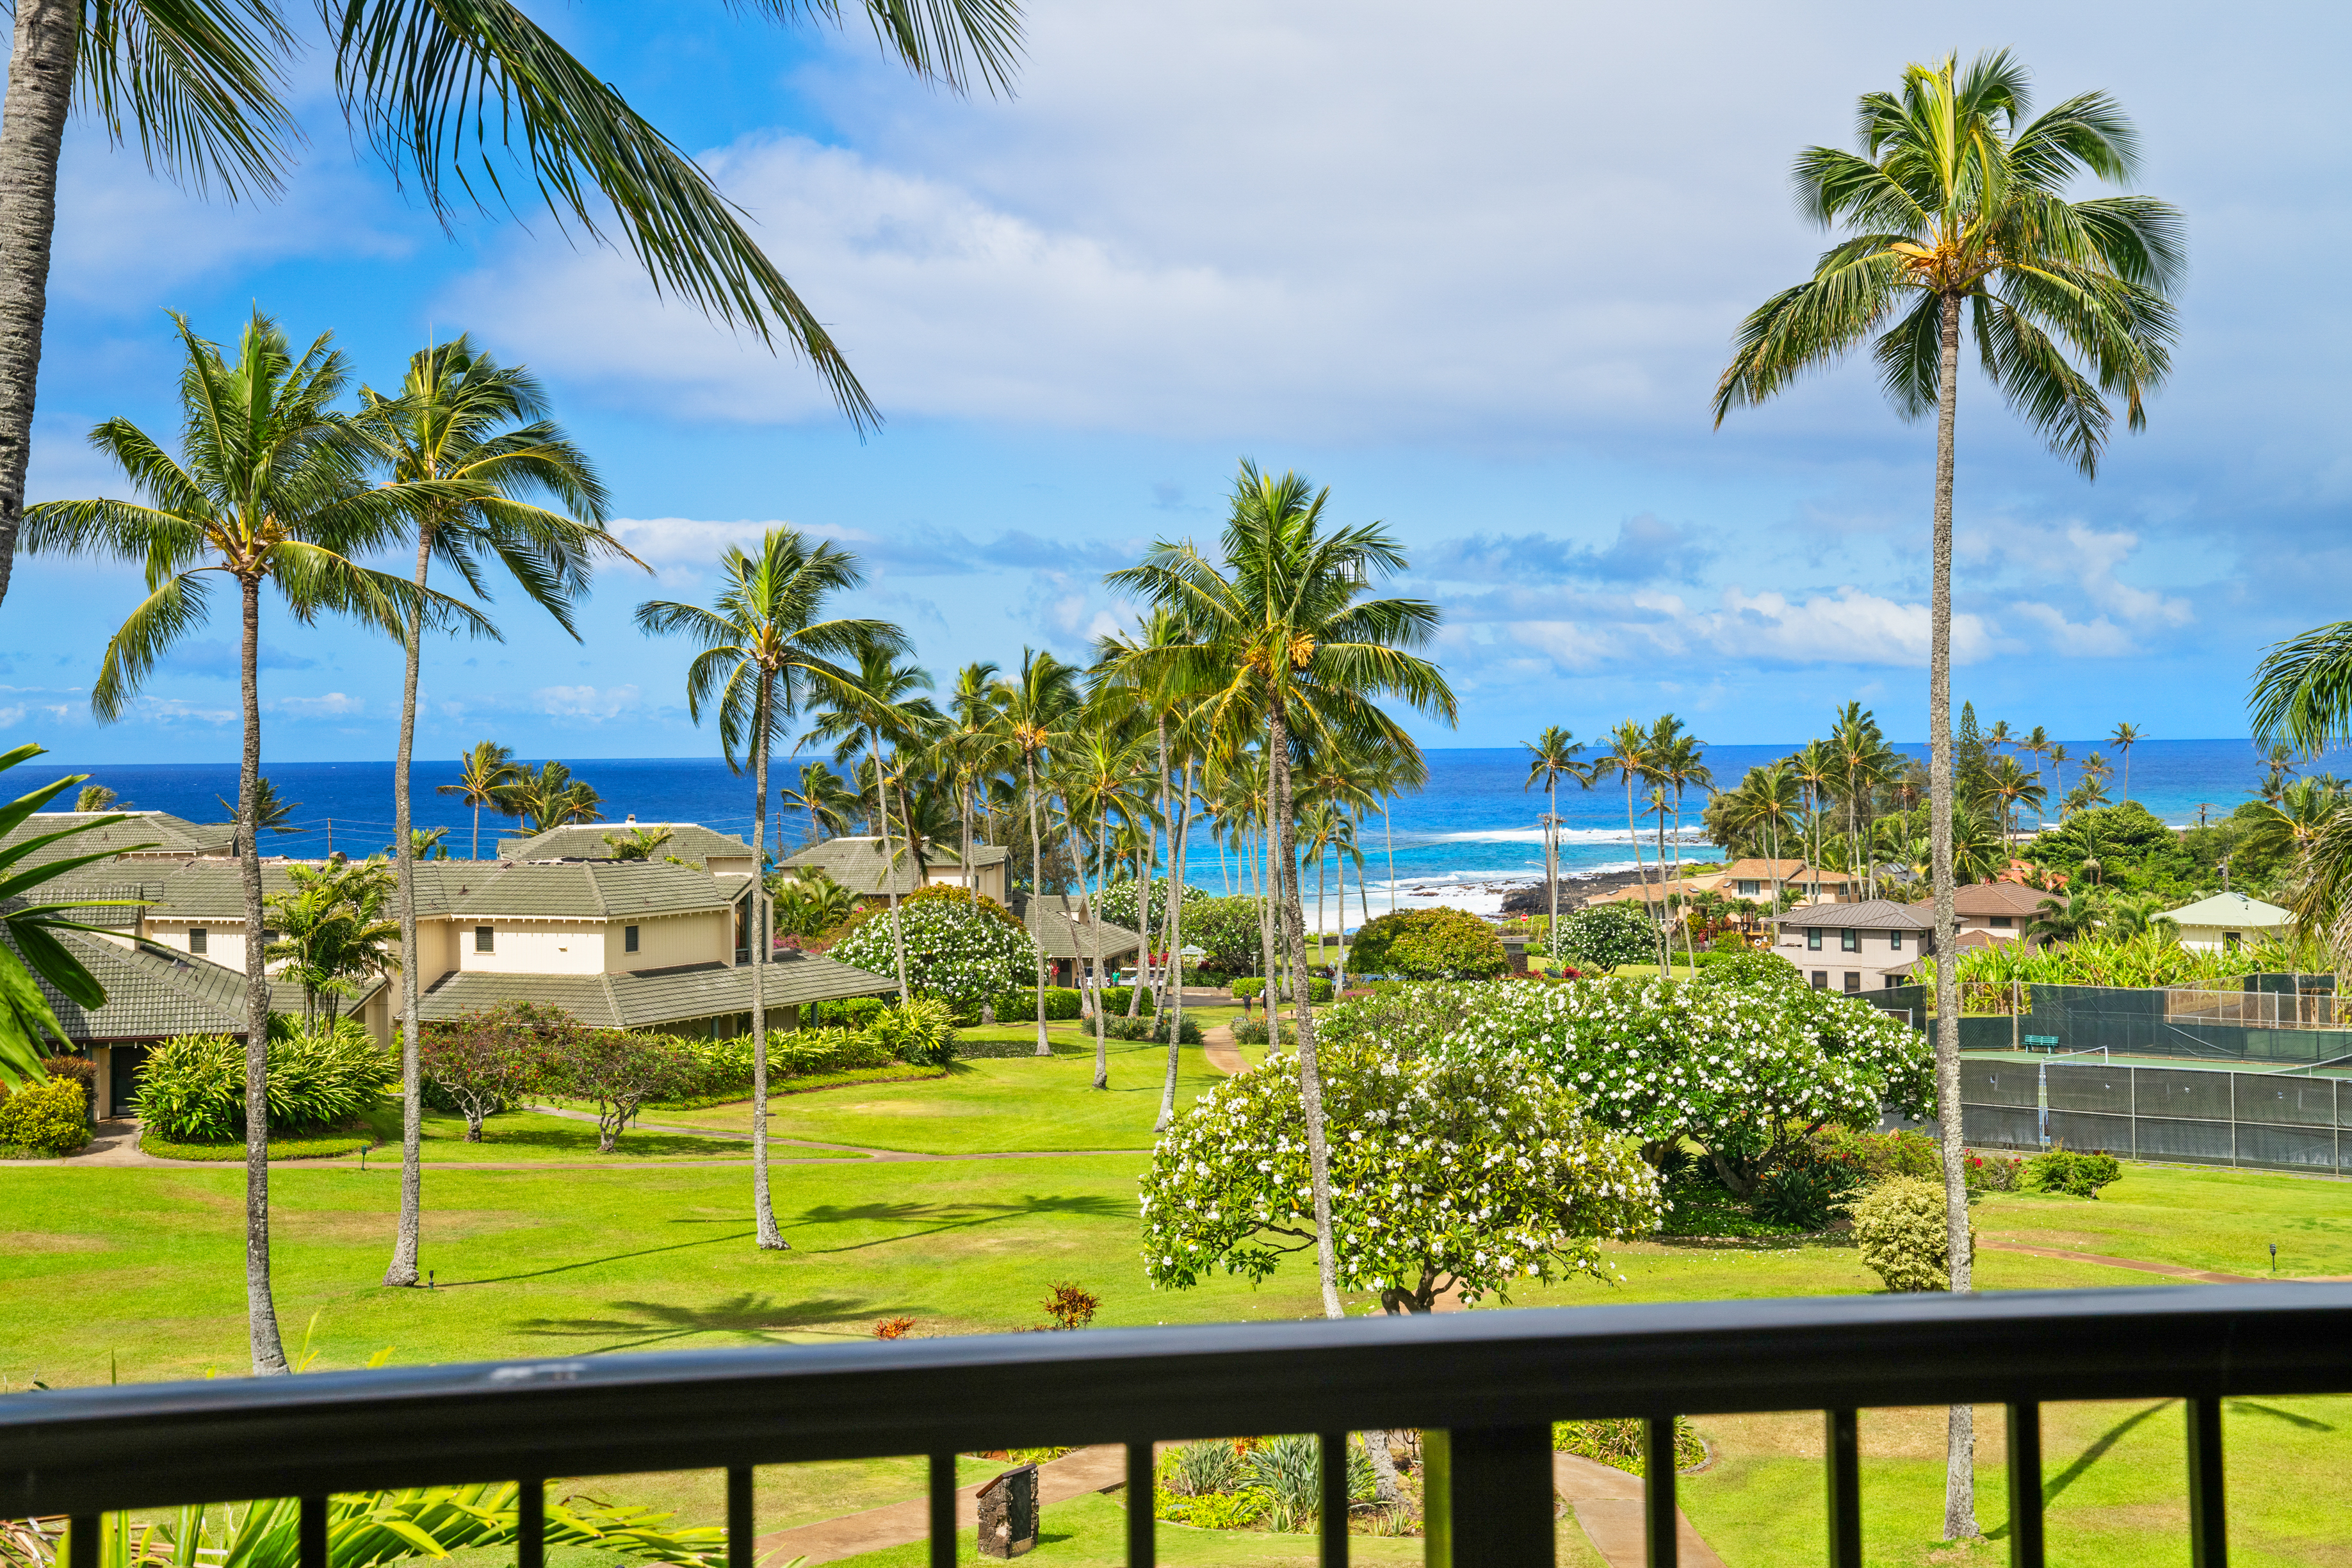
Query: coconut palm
[2013,787]
[470,100]
[1551,756]
[1679,765]
[971,750]
[270,813]
[270,490]
[1099,768]
[551,798]
[2067,919]
[763,649]
[876,703]
[1122,662]
[94,799]
[2036,743]
[2124,738]
[485,774]
[1036,705]
[1764,809]
[828,799]
[1957,200]
[424,844]
[1290,639]
[1629,757]
[333,929]
[473,435]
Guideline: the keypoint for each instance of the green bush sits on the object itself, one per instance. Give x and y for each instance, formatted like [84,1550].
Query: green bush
[1798,1194]
[2074,1173]
[1021,1006]
[1618,1443]
[1429,945]
[1598,939]
[920,1033]
[1115,998]
[1747,967]
[853,1012]
[50,1116]
[1899,1226]
[1248,985]
[1148,1027]
[191,1090]
[1994,1173]
[1252,1032]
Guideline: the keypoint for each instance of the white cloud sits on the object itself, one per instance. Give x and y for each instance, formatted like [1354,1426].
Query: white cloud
[2099,639]
[333,705]
[592,704]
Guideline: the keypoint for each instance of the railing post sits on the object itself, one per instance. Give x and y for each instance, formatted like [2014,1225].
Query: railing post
[1660,1539]
[82,1540]
[1842,1447]
[1502,1503]
[1334,1517]
[740,1530]
[2025,1485]
[1142,1512]
[530,1524]
[1436,1499]
[2209,1524]
[943,1510]
[310,1532]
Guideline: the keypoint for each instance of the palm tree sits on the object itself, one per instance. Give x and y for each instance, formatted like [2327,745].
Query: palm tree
[877,702]
[1629,755]
[971,750]
[485,774]
[1099,767]
[333,930]
[826,796]
[2036,743]
[1814,767]
[270,489]
[640,843]
[551,798]
[270,812]
[1764,806]
[473,436]
[2013,787]
[2086,795]
[1551,756]
[2278,766]
[2065,920]
[442,92]
[1956,198]
[1290,639]
[763,649]
[424,844]
[1035,706]
[2124,738]
[1997,736]
[94,799]
[2058,761]
[1681,765]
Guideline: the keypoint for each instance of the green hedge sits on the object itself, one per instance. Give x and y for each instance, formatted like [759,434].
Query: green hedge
[1061,1002]
[49,1117]
[1115,999]
[192,1089]
[1248,985]
[1148,1027]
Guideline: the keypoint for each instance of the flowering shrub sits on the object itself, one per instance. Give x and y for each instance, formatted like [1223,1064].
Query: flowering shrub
[1746,1071]
[2076,1173]
[1428,944]
[955,951]
[1600,938]
[1900,1227]
[1118,903]
[1447,1173]
[1993,1173]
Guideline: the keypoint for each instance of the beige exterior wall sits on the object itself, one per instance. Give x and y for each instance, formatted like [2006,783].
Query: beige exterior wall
[992,879]
[1832,963]
[224,940]
[672,939]
[2215,938]
[532,947]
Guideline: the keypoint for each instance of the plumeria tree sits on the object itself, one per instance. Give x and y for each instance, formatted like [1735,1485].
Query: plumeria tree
[961,947]
[1463,1175]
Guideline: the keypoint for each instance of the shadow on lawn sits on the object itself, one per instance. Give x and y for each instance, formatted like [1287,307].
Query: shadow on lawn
[2086,1458]
[608,1257]
[641,1324]
[947,1217]
[564,1140]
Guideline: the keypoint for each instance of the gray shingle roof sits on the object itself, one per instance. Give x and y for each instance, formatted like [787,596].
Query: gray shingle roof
[858,864]
[1062,934]
[153,993]
[1871,914]
[586,890]
[648,998]
[585,841]
[166,835]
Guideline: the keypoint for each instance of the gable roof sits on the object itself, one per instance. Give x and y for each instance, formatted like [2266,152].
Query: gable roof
[166,836]
[1753,870]
[1064,935]
[1870,915]
[153,993]
[643,998]
[586,841]
[857,862]
[2231,909]
[213,890]
[1998,898]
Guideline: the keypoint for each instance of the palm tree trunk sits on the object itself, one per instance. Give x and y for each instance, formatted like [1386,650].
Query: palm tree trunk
[1310,1080]
[1094,924]
[1340,888]
[32,130]
[1388,834]
[402,1268]
[1265,909]
[763,1203]
[1037,888]
[1173,1006]
[260,1310]
[1960,1458]
[890,868]
[1552,858]
[477,818]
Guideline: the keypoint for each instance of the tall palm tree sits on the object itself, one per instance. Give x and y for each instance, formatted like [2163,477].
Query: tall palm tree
[270,489]
[332,929]
[474,437]
[2124,738]
[1681,765]
[878,703]
[1814,767]
[825,796]
[1035,705]
[1100,766]
[1956,199]
[551,798]
[269,814]
[971,750]
[1997,736]
[485,774]
[1551,756]
[1629,757]
[2058,761]
[1291,639]
[446,92]
[763,649]
[1765,807]
[2036,743]
[2013,787]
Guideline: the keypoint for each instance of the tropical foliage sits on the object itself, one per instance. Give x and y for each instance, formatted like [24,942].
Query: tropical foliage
[957,949]
[1430,945]
[192,1089]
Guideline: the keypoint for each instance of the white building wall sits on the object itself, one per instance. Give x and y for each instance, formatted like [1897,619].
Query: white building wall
[533,946]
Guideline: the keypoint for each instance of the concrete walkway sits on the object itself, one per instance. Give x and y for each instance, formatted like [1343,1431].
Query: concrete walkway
[1217,1044]
[1607,1503]
[2171,1270]
[1075,1474]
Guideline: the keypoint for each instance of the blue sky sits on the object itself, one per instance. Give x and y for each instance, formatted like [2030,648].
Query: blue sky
[1477,270]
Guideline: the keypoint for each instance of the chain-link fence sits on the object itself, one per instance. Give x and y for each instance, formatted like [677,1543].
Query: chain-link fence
[2277,1121]
[2285,1019]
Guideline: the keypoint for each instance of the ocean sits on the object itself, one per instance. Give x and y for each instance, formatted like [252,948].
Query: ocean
[1465,840]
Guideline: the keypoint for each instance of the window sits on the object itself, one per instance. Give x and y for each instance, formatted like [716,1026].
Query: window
[485,939]
[2001,922]
[2230,940]
[1750,889]
[1853,982]
[1849,941]
[628,938]
[1895,941]
[199,939]
[1812,938]
[1820,980]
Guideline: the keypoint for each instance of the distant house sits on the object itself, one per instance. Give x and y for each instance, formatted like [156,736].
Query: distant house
[1999,909]
[1069,937]
[713,851]
[861,866]
[1853,947]
[2227,920]
[1756,879]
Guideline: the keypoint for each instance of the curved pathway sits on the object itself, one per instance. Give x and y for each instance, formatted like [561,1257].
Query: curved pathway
[1217,1044]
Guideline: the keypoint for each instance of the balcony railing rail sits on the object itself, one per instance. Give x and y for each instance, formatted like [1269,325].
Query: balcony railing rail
[1493,1380]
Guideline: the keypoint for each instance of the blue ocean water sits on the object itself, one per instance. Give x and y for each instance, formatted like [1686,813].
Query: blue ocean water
[1470,834]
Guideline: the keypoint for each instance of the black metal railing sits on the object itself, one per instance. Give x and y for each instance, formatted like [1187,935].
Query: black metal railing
[1493,1380]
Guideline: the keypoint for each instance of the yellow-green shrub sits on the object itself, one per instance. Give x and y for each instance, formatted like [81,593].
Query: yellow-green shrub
[1898,1224]
[50,1116]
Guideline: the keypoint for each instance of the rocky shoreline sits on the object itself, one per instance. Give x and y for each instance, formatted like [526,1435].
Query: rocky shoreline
[1530,898]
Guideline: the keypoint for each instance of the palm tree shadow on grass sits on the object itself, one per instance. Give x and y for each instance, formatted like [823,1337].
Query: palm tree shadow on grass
[608,1257]
[639,1325]
[949,1217]
[2053,1486]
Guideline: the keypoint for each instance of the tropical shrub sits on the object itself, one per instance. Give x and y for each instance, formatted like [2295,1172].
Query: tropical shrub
[2071,1172]
[1899,1226]
[1446,1174]
[1196,1469]
[955,950]
[1802,1193]
[1255,1031]
[50,1116]
[1993,1173]
[1116,997]
[1288,1471]
[920,1033]
[1228,931]
[721,1069]
[1150,1028]
[1429,945]
[1062,1002]
[487,1062]
[1618,1443]
[850,1012]
[192,1089]
[1248,985]
[617,1072]
[808,904]
[1598,939]
[1117,903]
